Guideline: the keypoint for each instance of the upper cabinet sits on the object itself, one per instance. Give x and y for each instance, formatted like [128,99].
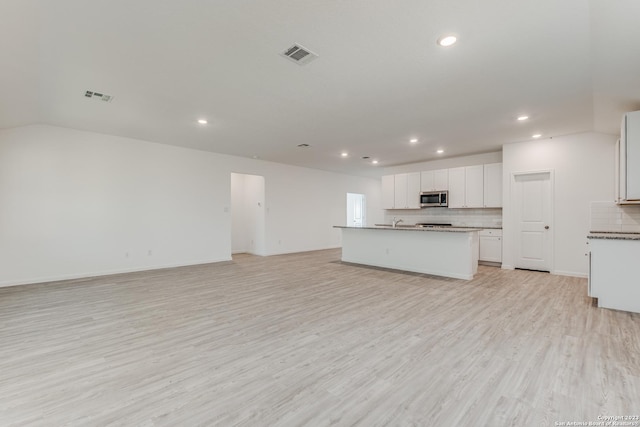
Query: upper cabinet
[478,186]
[437,180]
[474,189]
[388,191]
[457,181]
[413,190]
[628,161]
[401,191]
[466,187]
[493,185]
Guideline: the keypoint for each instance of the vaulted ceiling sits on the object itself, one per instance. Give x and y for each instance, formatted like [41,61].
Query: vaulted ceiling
[379,81]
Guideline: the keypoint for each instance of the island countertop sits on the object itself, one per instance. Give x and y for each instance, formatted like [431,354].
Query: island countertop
[412,228]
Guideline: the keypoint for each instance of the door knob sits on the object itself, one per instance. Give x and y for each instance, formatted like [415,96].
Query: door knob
[546,227]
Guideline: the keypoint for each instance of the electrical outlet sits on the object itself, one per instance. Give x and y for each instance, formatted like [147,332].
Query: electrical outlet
[150,252]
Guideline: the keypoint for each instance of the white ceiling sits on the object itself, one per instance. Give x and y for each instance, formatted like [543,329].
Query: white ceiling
[571,65]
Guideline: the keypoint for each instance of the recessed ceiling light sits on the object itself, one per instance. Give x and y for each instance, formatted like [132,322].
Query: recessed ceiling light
[521,118]
[344,154]
[413,140]
[202,121]
[440,151]
[375,162]
[448,40]
[255,157]
[537,135]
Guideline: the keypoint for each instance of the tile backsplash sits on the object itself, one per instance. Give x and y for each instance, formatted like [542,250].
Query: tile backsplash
[613,218]
[457,217]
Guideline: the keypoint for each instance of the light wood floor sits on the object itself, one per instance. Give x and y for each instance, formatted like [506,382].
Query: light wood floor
[304,339]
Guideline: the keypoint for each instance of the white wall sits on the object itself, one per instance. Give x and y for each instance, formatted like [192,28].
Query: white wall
[583,166]
[75,204]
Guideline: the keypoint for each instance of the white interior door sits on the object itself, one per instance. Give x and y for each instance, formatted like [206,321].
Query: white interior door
[532,208]
[356,210]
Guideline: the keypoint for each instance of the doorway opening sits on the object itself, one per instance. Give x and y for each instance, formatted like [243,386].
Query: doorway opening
[247,214]
[356,210]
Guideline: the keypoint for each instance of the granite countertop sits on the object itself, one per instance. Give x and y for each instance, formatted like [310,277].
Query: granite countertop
[412,228]
[403,225]
[482,228]
[613,235]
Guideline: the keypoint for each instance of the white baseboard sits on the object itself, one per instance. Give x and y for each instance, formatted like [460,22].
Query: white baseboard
[303,250]
[57,278]
[555,272]
[569,273]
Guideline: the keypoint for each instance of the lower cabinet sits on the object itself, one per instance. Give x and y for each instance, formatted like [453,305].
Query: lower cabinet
[613,273]
[491,245]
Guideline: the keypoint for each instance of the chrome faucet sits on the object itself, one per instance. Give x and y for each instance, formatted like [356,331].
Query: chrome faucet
[395,222]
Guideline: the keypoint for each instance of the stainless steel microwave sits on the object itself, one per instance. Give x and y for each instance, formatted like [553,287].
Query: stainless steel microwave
[434,198]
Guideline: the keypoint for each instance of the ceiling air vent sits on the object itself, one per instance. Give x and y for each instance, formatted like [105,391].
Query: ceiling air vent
[299,54]
[99,96]
[304,145]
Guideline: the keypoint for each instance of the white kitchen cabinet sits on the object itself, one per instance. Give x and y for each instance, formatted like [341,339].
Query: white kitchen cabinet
[401,191]
[413,190]
[436,180]
[466,187]
[628,161]
[493,185]
[613,273]
[491,245]
[456,187]
[474,188]
[388,191]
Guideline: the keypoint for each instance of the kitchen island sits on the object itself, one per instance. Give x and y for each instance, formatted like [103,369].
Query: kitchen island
[450,252]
